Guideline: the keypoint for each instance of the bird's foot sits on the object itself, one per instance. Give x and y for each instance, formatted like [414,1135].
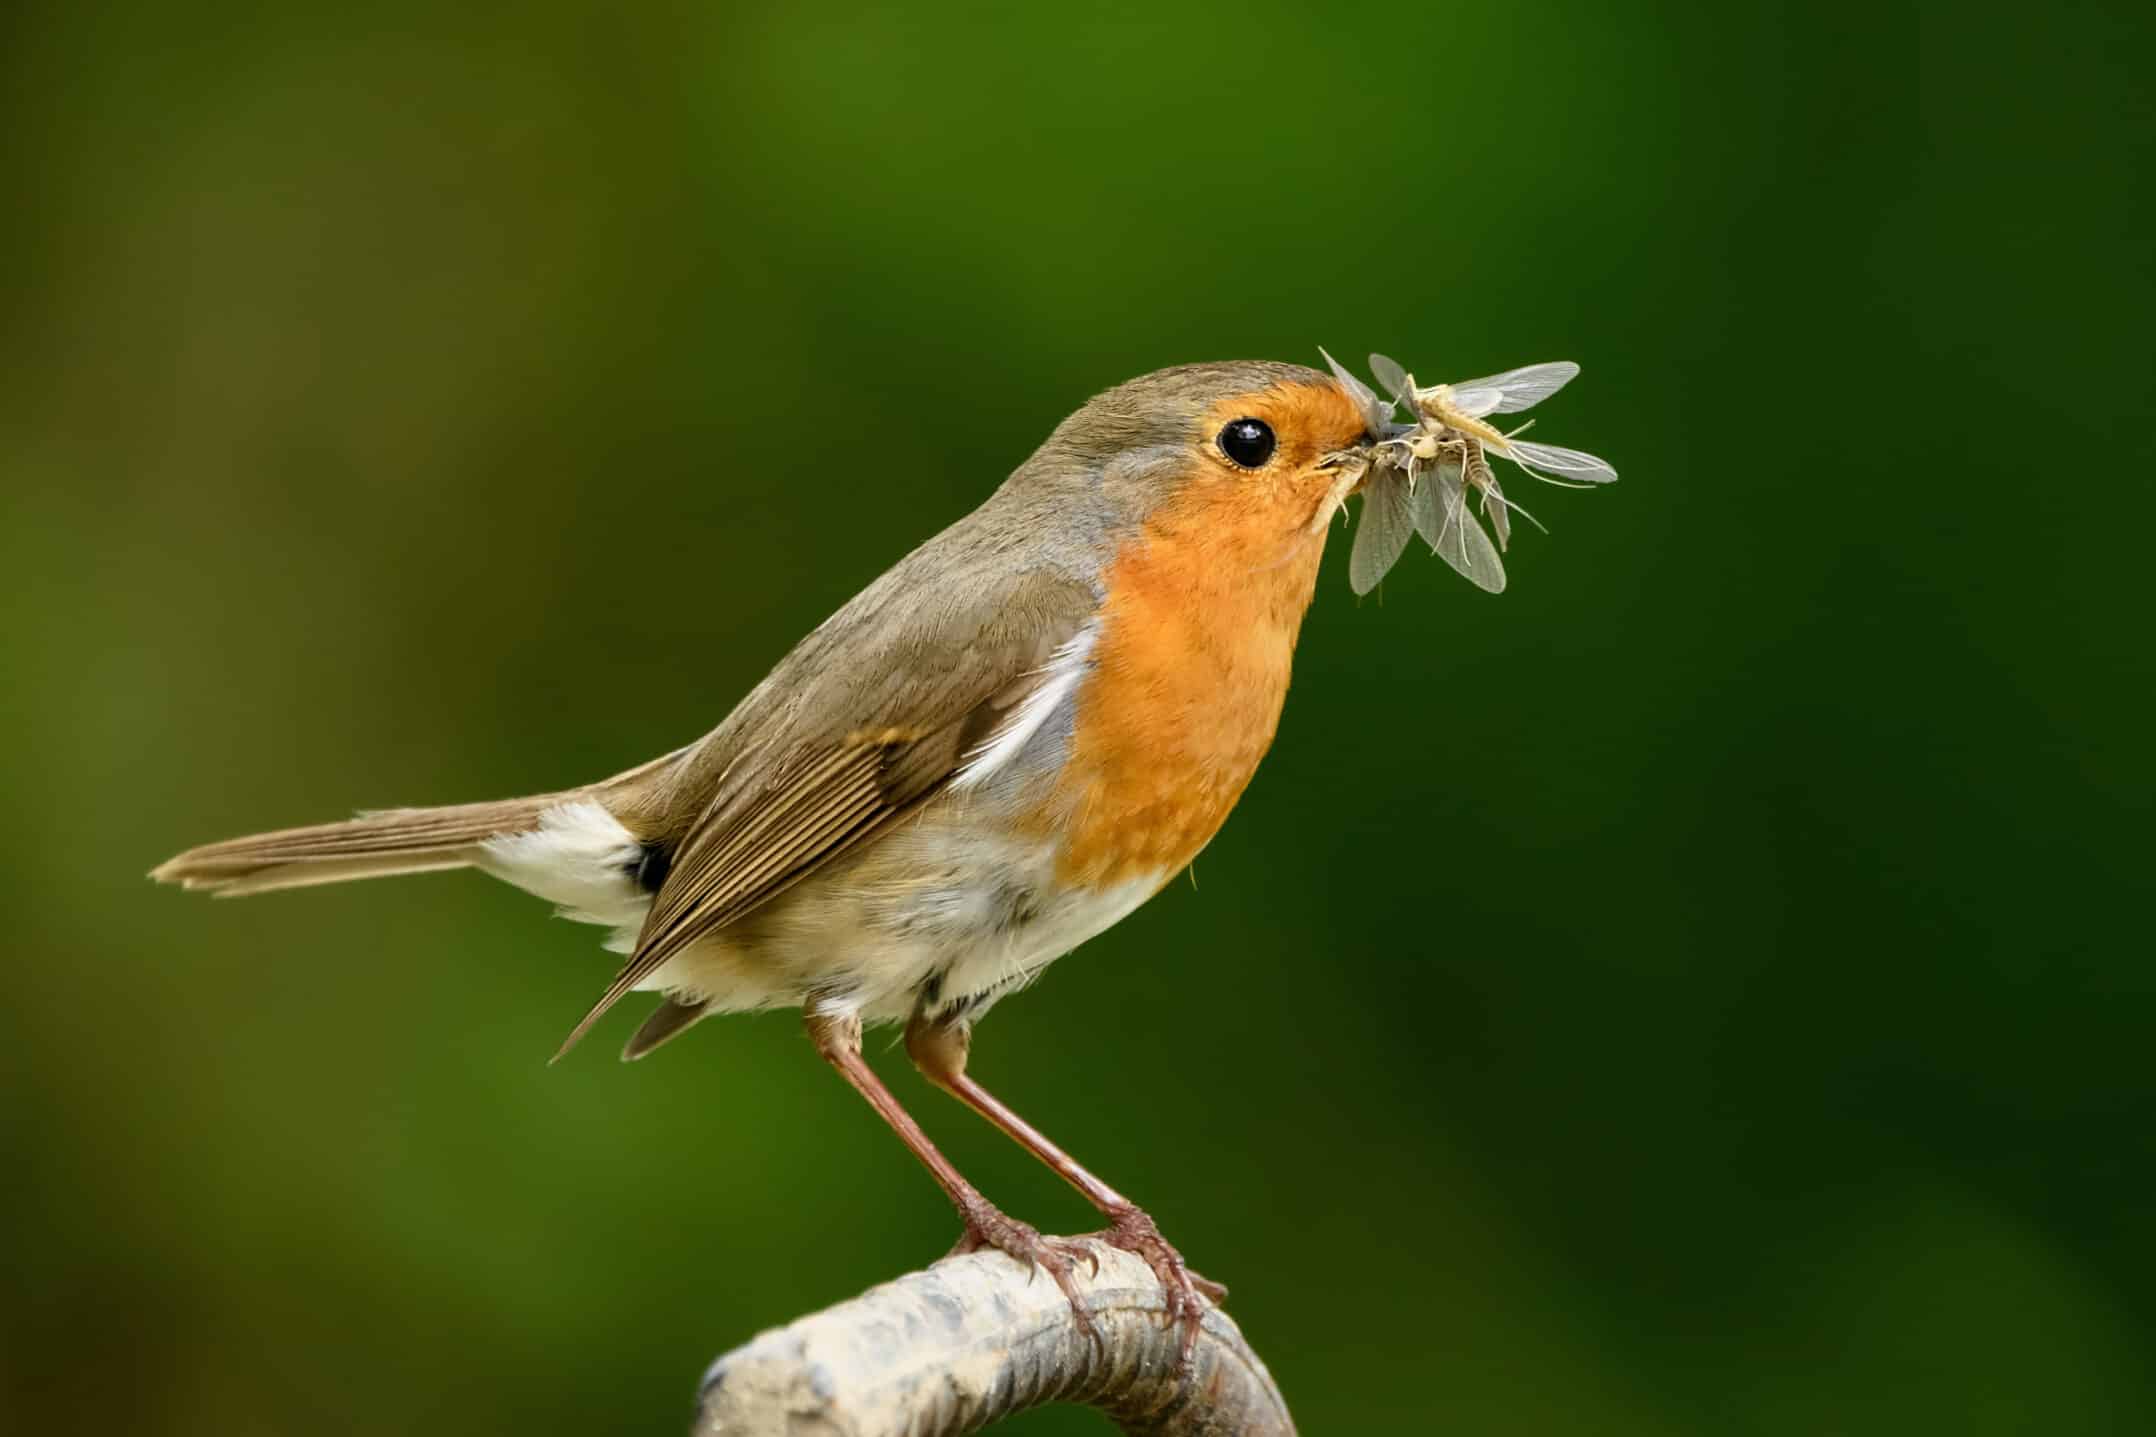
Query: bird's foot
[1185,1295]
[989,1226]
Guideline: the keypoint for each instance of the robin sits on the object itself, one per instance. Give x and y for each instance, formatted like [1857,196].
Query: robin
[998,749]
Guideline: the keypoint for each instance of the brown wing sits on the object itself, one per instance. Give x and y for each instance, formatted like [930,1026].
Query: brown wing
[754,841]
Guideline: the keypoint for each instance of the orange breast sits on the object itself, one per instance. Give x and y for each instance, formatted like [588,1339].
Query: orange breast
[1189,673]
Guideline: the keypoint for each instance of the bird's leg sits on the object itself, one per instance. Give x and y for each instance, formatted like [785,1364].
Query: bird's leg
[838,1038]
[939,1051]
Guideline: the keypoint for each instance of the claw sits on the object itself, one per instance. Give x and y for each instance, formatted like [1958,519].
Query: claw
[988,1226]
[1184,1294]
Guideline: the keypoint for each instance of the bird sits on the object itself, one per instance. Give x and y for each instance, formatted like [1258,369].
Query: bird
[996,751]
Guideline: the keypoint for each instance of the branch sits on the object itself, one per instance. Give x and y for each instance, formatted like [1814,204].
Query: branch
[975,1339]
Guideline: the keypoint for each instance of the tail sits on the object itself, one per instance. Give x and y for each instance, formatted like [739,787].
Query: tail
[374,845]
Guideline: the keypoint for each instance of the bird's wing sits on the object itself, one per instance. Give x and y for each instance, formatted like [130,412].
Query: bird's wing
[938,684]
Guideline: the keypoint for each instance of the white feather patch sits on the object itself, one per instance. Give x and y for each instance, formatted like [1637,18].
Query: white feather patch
[1060,676]
[580,858]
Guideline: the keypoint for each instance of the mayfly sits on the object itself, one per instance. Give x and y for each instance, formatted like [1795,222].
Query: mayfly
[1423,475]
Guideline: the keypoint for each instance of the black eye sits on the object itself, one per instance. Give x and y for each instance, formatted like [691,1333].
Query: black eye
[1249,442]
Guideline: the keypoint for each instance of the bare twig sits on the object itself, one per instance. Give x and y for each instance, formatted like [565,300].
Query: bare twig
[975,1339]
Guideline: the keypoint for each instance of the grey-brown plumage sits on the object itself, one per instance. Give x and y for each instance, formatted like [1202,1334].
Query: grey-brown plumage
[374,845]
[760,832]
[668,1021]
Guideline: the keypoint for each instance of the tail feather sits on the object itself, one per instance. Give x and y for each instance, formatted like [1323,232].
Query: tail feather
[668,1021]
[374,845]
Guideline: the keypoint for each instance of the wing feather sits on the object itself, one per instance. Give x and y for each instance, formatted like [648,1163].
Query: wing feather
[752,841]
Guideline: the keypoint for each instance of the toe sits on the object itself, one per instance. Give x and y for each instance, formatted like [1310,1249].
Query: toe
[1184,1294]
[987,1227]
[1057,1261]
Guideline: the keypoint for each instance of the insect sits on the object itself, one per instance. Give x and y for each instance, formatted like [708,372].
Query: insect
[1423,476]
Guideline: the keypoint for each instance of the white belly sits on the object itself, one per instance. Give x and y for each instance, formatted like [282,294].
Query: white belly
[932,916]
[935,914]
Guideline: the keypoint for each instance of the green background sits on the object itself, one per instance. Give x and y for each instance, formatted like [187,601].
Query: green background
[1703,990]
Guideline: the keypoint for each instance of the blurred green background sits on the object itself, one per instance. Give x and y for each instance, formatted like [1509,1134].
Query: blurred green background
[1706,989]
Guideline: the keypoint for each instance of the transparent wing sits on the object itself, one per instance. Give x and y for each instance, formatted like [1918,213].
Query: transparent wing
[1571,463]
[1477,402]
[1375,411]
[1461,542]
[1518,389]
[1389,373]
[1382,531]
[1426,504]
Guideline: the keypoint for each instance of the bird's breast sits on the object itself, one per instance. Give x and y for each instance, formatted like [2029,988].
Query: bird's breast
[1190,668]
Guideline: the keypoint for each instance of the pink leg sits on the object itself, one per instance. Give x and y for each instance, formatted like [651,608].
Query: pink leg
[939,1051]
[839,1040]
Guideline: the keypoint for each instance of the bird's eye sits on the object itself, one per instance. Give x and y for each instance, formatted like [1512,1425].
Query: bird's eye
[1249,442]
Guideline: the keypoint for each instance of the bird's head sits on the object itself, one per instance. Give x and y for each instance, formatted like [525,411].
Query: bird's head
[1277,447]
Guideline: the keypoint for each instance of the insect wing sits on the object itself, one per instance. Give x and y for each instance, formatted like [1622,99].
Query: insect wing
[1461,542]
[1375,411]
[1426,504]
[1515,389]
[1475,403]
[1389,373]
[1571,463]
[1382,532]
